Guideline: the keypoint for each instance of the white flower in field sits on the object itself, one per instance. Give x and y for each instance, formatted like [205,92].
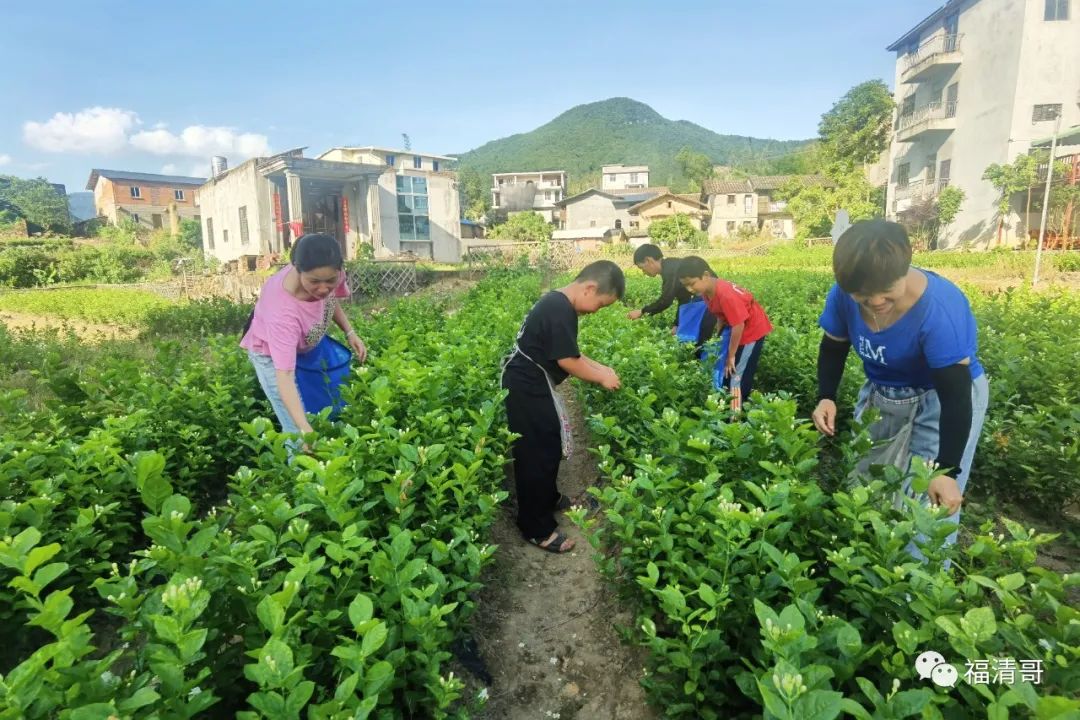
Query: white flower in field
[757,513]
[194,691]
[483,695]
[521,644]
[553,660]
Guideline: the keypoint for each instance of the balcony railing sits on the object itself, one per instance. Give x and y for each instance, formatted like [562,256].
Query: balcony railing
[932,116]
[919,189]
[940,50]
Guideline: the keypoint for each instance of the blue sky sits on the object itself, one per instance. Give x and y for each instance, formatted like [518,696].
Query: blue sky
[155,88]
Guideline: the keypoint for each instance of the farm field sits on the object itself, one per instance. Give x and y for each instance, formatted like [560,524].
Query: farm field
[159,557]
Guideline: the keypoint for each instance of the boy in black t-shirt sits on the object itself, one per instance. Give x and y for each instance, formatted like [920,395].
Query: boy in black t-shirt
[545,354]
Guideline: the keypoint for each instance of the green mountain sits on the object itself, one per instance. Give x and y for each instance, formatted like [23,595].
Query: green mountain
[619,130]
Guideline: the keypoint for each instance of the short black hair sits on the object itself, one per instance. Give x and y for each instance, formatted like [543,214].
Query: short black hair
[607,275]
[316,250]
[646,251]
[694,267]
[870,256]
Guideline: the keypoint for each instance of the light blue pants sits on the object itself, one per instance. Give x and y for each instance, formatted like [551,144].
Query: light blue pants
[264,370]
[925,427]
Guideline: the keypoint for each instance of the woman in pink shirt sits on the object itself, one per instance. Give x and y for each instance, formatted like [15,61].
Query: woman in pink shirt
[292,315]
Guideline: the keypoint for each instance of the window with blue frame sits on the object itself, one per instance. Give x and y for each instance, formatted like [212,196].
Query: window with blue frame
[412,199]
[435,166]
[390,160]
[417,162]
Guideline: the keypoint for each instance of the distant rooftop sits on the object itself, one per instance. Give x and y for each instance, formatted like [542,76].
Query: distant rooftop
[915,32]
[141,177]
[392,151]
[624,168]
[755,183]
[530,172]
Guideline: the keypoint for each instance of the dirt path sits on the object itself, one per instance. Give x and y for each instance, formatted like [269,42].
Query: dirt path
[87,331]
[545,623]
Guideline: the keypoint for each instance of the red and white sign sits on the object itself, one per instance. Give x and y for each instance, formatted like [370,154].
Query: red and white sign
[345,213]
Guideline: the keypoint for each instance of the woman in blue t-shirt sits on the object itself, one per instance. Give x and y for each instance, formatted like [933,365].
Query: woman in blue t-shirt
[915,334]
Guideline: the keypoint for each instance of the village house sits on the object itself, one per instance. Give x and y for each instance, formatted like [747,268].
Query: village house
[969,95]
[624,177]
[751,205]
[419,202]
[149,200]
[393,201]
[515,192]
[666,205]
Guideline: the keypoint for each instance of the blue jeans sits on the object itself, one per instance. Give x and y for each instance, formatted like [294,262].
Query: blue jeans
[264,370]
[925,427]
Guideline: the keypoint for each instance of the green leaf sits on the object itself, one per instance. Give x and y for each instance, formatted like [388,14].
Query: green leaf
[373,639]
[818,705]
[1056,708]
[1012,582]
[360,609]
[48,573]
[653,572]
[979,624]
[377,677]
[910,702]
[150,481]
[848,641]
[95,711]
[790,616]
[191,643]
[141,698]
[270,613]
[280,654]
[299,697]
[39,555]
[707,595]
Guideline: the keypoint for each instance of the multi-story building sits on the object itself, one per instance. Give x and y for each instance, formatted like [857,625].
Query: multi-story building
[419,201]
[751,205]
[153,201]
[361,196]
[534,191]
[976,82]
[624,177]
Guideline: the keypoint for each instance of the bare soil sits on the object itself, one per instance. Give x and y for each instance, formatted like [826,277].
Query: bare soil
[86,331]
[545,623]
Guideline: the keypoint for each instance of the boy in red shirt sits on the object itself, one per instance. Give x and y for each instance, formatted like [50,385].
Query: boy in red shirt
[736,307]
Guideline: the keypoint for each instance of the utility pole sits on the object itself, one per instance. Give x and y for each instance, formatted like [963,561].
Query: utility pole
[1046,199]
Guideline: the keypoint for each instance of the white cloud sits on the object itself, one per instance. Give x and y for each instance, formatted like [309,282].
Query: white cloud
[4,159]
[93,130]
[202,141]
[168,169]
[110,130]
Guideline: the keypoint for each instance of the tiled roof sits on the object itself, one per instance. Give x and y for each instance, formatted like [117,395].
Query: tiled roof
[141,177]
[720,187]
[756,183]
[775,182]
[685,198]
[653,190]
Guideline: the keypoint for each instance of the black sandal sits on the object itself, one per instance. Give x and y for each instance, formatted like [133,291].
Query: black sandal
[555,546]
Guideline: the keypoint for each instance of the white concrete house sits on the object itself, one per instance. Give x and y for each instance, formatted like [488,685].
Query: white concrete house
[976,83]
[419,203]
[624,177]
[354,194]
[528,191]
